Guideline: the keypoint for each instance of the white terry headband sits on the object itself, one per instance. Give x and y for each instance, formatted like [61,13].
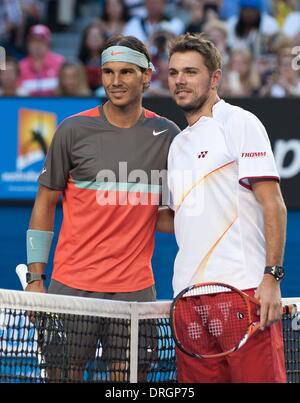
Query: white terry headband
[125,54]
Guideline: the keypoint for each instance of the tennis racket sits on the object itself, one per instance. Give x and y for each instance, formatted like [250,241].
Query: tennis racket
[211,320]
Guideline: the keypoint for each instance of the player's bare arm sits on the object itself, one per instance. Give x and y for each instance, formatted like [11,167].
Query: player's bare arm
[42,218]
[165,221]
[269,196]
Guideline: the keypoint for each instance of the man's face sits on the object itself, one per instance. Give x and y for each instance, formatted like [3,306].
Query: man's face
[124,82]
[38,47]
[189,80]
[155,8]
[70,80]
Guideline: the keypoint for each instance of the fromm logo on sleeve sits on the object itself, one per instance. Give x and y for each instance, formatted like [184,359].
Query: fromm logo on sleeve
[254,154]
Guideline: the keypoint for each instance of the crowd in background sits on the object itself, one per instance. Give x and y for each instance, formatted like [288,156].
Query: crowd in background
[259,41]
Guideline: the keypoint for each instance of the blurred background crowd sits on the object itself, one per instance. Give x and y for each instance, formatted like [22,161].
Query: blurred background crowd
[53,47]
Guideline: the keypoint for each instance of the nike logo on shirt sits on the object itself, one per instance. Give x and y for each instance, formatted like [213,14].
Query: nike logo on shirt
[155,133]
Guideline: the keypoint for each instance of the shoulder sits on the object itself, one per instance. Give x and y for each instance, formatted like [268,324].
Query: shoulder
[235,115]
[77,120]
[161,123]
[55,58]
[134,22]
[178,140]
[293,18]
[269,25]
[241,125]
[92,113]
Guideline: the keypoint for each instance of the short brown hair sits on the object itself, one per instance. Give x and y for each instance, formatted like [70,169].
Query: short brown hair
[197,42]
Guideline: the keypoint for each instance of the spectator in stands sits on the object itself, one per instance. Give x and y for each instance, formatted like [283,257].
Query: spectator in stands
[61,13]
[202,12]
[240,78]
[72,81]
[160,87]
[39,70]
[114,17]
[33,13]
[184,11]
[230,8]
[92,41]
[216,31]
[137,8]
[285,82]
[252,28]
[155,20]
[282,8]
[158,44]
[277,42]
[197,17]
[291,26]
[10,19]
[264,66]
[9,78]
[212,9]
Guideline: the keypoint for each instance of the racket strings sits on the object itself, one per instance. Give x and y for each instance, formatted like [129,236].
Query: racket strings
[212,322]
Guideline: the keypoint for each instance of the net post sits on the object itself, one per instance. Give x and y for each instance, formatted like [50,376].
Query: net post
[134,341]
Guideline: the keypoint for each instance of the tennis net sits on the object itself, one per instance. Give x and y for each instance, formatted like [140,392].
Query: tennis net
[52,338]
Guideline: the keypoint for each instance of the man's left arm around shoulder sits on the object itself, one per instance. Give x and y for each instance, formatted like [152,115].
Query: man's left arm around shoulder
[268,194]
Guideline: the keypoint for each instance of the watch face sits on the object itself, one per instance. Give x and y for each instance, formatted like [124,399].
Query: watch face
[279,272]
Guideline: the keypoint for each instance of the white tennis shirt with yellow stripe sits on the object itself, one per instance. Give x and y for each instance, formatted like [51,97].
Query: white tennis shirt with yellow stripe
[219,224]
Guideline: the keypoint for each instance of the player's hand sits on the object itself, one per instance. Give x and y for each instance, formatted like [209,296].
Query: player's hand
[36,286]
[269,295]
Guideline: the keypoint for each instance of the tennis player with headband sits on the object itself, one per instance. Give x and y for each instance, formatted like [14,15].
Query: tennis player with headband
[106,239]
[230,222]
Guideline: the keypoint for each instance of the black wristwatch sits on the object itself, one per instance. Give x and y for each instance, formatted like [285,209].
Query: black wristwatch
[31,277]
[275,271]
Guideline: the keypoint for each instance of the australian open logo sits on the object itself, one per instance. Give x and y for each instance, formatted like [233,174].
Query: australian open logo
[34,136]
[35,132]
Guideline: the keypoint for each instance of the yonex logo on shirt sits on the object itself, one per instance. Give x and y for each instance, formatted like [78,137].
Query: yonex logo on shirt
[202,154]
[254,154]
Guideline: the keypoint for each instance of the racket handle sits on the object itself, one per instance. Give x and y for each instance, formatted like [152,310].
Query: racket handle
[21,271]
[289,309]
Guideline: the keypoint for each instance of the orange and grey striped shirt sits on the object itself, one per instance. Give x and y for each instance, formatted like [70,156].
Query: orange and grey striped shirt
[110,199]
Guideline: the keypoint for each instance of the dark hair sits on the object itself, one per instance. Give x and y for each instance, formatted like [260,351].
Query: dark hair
[241,29]
[84,54]
[197,42]
[130,42]
[125,13]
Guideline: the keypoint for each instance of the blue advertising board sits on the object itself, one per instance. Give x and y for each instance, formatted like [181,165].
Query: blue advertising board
[27,128]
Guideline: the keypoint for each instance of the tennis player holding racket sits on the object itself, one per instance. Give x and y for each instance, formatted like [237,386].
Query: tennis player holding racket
[230,218]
